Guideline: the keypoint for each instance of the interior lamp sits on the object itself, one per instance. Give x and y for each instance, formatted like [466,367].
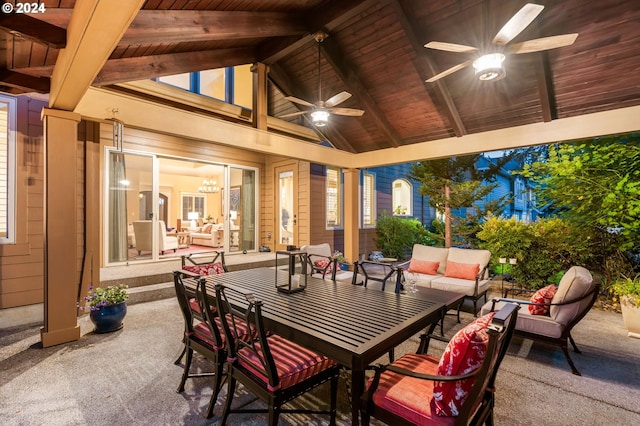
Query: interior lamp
[489,67]
[320,117]
[192,216]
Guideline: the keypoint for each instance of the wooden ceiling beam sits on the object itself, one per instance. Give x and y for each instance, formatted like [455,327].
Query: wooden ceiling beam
[30,28]
[425,66]
[327,17]
[347,74]
[23,82]
[146,67]
[545,88]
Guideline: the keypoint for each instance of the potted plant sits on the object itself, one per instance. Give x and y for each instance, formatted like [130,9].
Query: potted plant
[628,290]
[342,261]
[108,307]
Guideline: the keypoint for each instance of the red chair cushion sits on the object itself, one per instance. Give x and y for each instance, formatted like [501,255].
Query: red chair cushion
[543,295]
[408,397]
[323,263]
[464,354]
[241,328]
[208,269]
[294,363]
[424,267]
[465,271]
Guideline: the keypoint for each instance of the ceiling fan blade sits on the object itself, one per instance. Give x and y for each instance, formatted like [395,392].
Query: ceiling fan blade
[346,111]
[544,43]
[337,99]
[449,71]
[517,23]
[293,114]
[450,47]
[298,101]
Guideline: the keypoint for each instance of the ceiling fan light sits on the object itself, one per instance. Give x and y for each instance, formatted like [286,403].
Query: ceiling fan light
[320,118]
[489,67]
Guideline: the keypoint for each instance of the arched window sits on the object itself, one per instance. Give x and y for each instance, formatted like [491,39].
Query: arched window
[401,196]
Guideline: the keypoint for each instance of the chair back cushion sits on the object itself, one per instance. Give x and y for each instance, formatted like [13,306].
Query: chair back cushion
[464,354]
[470,256]
[543,295]
[576,283]
[207,269]
[323,249]
[432,254]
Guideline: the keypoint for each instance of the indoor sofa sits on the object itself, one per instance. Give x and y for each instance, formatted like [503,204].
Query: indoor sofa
[209,235]
[450,269]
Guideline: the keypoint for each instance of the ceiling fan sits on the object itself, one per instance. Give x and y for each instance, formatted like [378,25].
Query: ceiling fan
[489,66]
[321,110]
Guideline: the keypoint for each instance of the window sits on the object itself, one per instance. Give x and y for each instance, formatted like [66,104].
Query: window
[401,195]
[334,205]
[7,169]
[368,200]
[192,203]
[182,81]
[212,83]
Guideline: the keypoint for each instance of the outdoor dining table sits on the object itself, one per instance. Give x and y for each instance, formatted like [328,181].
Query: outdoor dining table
[351,324]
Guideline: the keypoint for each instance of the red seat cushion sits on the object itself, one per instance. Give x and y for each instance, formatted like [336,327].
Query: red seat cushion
[543,295]
[202,331]
[195,307]
[409,397]
[294,363]
[424,267]
[465,271]
[464,354]
[208,269]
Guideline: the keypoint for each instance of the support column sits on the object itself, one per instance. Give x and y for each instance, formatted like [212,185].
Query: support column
[60,253]
[351,222]
[260,71]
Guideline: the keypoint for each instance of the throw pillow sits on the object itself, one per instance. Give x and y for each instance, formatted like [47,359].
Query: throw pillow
[464,354]
[207,228]
[424,267]
[466,271]
[543,295]
[323,263]
[208,269]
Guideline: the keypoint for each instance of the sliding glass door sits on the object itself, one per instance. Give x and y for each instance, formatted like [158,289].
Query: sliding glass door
[241,213]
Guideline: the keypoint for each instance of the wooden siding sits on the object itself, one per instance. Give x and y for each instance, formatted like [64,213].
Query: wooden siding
[22,263]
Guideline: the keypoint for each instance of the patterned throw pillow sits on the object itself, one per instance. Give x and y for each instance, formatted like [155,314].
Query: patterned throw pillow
[466,271]
[322,263]
[464,354]
[544,295]
[207,228]
[424,267]
[209,269]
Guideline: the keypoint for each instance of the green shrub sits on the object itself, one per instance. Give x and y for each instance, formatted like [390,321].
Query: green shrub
[395,236]
[544,249]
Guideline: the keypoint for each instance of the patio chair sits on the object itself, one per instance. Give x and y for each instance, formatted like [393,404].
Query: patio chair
[199,335]
[576,294]
[271,367]
[205,266]
[322,262]
[456,389]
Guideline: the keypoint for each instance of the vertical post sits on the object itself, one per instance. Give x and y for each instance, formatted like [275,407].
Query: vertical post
[60,254]
[351,223]
[259,116]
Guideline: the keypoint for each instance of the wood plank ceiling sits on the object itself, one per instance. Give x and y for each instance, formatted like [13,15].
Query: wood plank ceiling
[374,51]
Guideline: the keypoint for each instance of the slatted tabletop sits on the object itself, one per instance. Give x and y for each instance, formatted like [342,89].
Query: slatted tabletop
[351,324]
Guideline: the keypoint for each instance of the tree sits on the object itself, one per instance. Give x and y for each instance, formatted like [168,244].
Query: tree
[594,184]
[454,183]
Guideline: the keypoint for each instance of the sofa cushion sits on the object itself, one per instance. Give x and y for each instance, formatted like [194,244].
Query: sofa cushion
[466,271]
[575,283]
[207,228]
[432,254]
[471,256]
[459,285]
[464,354]
[543,295]
[424,266]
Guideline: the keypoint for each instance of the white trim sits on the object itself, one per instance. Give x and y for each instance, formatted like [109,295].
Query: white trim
[12,114]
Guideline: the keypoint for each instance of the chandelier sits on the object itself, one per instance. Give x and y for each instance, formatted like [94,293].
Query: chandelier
[209,186]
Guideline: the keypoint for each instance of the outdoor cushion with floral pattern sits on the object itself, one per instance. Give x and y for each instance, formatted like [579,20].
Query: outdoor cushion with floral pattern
[208,269]
[543,295]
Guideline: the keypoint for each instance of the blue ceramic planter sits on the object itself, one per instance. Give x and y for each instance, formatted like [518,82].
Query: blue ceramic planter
[109,318]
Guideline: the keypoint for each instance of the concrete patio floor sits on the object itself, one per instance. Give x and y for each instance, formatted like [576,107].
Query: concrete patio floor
[128,377]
